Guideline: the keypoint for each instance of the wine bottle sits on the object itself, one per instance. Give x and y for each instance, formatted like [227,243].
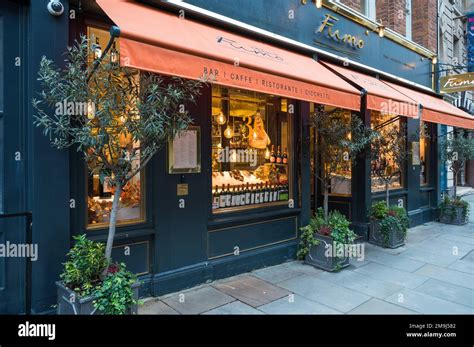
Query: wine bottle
[228,198]
[252,194]
[257,194]
[265,192]
[285,157]
[215,198]
[233,198]
[223,197]
[272,155]
[278,157]
[262,193]
[270,193]
[247,194]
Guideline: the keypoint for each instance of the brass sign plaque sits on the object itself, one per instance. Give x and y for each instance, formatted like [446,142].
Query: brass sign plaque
[457,83]
[182,189]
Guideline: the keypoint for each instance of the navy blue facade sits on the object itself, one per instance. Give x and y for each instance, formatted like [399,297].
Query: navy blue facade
[173,248]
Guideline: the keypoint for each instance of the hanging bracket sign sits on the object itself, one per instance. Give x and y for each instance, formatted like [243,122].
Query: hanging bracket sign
[457,83]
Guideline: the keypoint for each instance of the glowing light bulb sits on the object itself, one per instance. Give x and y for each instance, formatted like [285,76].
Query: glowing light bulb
[221,119]
[319,3]
[381,31]
[267,154]
[228,132]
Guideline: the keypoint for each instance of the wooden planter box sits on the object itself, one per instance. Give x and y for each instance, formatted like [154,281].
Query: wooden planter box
[317,255]
[457,219]
[395,239]
[69,303]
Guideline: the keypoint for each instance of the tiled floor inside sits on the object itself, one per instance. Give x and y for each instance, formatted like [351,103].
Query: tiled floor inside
[432,273]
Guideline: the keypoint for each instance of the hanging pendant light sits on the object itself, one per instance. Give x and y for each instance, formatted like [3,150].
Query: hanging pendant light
[221,119]
[267,154]
[229,132]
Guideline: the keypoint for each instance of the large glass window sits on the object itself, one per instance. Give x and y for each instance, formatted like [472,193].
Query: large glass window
[386,124]
[99,191]
[251,149]
[424,153]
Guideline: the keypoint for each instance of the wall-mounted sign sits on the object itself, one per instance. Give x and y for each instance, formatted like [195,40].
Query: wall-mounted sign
[457,83]
[328,24]
[184,152]
[470,42]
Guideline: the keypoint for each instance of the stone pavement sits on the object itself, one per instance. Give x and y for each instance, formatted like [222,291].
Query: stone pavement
[432,274]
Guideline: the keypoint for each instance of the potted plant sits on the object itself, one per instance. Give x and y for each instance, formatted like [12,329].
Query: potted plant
[456,149]
[327,243]
[84,290]
[454,211]
[117,118]
[388,225]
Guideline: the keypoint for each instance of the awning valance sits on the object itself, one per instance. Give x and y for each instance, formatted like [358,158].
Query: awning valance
[380,97]
[160,42]
[436,110]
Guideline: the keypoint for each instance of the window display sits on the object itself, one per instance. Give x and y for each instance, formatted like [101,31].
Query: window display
[99,191]
[388,126]
[424,153]
[251,149]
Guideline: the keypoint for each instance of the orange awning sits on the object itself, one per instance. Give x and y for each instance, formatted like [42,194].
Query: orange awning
[436,110]
[167,44]
[380,97]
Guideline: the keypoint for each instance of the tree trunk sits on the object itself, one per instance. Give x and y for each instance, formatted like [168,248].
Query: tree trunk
[455,183]
[113,222]
[387,194]
[326,202]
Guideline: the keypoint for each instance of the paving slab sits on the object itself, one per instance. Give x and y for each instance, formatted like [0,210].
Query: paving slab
[376,306]
[448,291]
[444,247]
[301,267]
[197,301]
[457,238]
[235,307]
[251,290]
[332,295]
[276,274]
[155,306]
[361,283]
[388,274]
[469,257]
[447,275]
[426,304]
[395,261]
[463,266]
[429,257]
[296,304]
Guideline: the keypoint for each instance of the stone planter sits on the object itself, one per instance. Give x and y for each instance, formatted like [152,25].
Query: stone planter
[395,239]
[317,255]
[456,219]
[71,304]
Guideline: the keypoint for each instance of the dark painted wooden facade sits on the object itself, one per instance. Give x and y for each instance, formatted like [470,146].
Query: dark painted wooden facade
[173,248]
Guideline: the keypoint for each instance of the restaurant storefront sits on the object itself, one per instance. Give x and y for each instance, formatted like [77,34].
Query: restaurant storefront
[231,194]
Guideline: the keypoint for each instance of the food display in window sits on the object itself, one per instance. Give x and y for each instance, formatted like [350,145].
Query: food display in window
[249,131]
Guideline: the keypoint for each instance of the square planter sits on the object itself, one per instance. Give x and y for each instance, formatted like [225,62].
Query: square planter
[317,255]
[69,303]
[395,239]
[456,219]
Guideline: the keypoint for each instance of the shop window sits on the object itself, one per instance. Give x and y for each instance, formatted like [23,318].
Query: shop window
[424,154]
[384,124]
[251,149]
[364,7]
[99,191]
[1,65]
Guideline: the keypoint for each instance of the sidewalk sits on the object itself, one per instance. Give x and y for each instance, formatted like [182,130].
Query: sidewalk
[432,274]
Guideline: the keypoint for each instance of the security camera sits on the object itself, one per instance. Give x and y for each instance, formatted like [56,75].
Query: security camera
[55,7]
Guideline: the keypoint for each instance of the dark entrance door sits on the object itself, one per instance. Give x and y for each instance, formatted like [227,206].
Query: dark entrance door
[11,155]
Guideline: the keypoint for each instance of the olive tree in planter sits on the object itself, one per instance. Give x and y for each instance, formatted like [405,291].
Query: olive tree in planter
[327,242]
[116,117]
[389,152]
[456,149]
[340,137]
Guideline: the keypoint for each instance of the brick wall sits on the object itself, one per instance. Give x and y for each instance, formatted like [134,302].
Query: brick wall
[392,14]
[424,25]
[354,4]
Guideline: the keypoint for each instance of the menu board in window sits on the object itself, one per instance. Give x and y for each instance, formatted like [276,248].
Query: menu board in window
[184,152]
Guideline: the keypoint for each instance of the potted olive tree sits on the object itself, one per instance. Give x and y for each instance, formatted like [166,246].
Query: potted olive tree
[117,118]
[456,149]
[389,152]
[327,242]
